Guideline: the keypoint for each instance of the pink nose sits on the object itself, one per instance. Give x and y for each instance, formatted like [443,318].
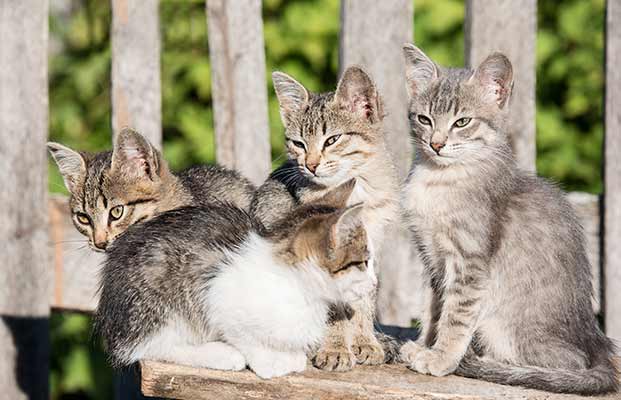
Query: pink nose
[312,167]
[437,146]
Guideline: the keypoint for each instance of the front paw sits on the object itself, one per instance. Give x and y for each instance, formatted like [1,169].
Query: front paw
[334,358]
[409,351]
[368,351]
[434,362]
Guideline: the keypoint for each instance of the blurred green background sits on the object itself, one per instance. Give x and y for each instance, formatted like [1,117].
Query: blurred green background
[301,38]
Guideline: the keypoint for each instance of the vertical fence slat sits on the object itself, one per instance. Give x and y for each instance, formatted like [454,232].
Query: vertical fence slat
[136,86]
[236,48]
[510,27]
[380,53]
[612,173]
[25,272]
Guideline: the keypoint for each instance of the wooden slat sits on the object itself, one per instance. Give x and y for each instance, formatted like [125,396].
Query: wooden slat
[25,279]
[379,52]
[236,48]
[510,27]
[612,172]
[136,92]
[393,382]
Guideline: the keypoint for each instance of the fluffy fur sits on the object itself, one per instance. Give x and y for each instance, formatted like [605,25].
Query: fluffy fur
[135,181]
[332,137]
[207,286]
[508,281]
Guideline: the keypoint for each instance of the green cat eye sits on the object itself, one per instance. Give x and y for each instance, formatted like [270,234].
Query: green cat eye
[116,212]
[331,140]
[424,120]
[83,219]
[460,123]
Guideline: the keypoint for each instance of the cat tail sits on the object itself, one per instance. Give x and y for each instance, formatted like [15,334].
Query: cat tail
[391,347]
[603,377]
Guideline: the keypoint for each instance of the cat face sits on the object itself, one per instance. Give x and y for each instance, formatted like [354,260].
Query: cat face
[332,236]
[331,135]
[458,115]
[110,191]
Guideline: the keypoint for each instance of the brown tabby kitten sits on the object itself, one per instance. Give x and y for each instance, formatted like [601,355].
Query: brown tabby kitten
[508,280]
[110,191]
[333,137]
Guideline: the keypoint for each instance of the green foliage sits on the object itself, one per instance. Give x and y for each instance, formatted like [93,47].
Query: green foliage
[301,38]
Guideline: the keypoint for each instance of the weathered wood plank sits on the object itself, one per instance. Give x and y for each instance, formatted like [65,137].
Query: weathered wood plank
[136,86]
[25,278]
[612,173]
[380,54]
[383,382]
[510,27]
[236,48]
[76,266]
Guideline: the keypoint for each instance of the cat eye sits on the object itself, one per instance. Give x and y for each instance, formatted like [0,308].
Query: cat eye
[424,120]
[116,213]
[299,144]
[460,123]
[83,219]
[331,140]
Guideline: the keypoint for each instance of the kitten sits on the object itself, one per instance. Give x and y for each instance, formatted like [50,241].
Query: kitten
[209,287]
[111,191]
[508,280]
[333,137]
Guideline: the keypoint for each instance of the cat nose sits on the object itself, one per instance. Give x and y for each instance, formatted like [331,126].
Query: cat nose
[101,245]
[312,167]
[437,146]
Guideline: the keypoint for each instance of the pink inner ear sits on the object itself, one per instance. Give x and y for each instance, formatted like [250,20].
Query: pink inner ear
[360,104]
[133,155]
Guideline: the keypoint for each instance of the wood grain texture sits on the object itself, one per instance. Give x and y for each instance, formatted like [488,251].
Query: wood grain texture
[612,172]
[379,52]
[239,87]
[25,278]
[136,86]
[76,266]
[509,27]
[374,383]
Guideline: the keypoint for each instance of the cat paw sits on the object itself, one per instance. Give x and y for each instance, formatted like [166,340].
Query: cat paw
[434,362]
[409,351]
[368,352]
[338,358]
[278,364]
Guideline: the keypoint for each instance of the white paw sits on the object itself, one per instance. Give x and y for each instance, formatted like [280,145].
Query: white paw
[409,351]
[434,362]
[219,355]
[272,364]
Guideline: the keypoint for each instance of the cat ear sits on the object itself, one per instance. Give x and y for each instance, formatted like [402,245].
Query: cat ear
[292,96]
[347,225]
[338,196]
[495,75]
[420,71]
[70,163]
[357,93]
[135,156]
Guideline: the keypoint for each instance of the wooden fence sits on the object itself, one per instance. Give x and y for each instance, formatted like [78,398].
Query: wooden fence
[42,270]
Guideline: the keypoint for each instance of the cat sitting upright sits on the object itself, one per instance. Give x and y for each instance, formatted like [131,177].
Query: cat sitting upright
[210,287]
[508,283]
[111,190]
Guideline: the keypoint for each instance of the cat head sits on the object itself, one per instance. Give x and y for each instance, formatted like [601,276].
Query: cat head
[458,115]
[333,236]
[331,135]
[109,191]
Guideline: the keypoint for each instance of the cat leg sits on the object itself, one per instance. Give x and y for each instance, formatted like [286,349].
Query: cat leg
[428,322]
[335,352]
[365,346]
[213,355]
[270,363]
[463,291]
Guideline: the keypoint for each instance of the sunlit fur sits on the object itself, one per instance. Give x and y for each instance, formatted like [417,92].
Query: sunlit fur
[135,177]
[508,283]
[210,287]
[331,138]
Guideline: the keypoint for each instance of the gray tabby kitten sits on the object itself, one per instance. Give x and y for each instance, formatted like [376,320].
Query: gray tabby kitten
[508,280]
[209,287]
[113,190]
[333,137]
